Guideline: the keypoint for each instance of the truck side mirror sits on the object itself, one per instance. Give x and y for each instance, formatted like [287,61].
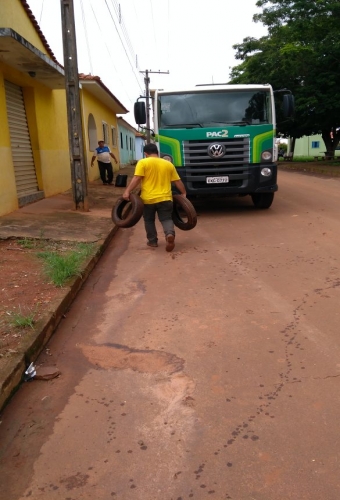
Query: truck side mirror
[288,105]
[140,113]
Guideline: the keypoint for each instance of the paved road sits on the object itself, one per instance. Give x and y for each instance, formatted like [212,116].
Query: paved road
[212,372]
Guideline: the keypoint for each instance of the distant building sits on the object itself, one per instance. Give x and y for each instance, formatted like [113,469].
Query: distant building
[140,142]
[130,143]
[312,145]
[100,108]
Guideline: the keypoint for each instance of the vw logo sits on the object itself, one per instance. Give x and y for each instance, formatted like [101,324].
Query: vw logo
[216,150]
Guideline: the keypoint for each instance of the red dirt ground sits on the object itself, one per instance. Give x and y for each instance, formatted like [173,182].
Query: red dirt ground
[24,289]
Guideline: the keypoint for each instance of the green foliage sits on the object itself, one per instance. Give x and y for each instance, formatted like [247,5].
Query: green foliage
[302,53]
[60,268]
[26,243]
[22,320]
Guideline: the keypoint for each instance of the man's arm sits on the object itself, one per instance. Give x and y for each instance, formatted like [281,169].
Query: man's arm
[93,158]
[135,182]
[181,188]
[113,156]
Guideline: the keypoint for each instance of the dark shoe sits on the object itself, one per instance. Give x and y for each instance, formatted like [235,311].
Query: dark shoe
[170,242]
[110,183]
[152,244]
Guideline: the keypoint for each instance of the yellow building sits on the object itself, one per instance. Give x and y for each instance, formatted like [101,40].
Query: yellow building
[34,149]
[99,108]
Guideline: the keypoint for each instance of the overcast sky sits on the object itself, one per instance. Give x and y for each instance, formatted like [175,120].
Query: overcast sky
[192,39]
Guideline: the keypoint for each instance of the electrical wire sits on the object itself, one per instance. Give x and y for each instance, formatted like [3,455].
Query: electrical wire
[137,21]
[153,22]
[109,52]
[41,12]
[86,37]
[124,31]
[134,6]
[133,70]
[117,9]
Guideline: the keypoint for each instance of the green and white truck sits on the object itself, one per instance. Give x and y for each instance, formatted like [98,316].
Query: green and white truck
[221,138]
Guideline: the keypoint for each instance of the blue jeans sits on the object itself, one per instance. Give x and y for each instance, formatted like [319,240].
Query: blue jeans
[164,211]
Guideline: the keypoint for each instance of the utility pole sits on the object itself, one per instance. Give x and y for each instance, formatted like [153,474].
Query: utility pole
[147,96]
[75,130]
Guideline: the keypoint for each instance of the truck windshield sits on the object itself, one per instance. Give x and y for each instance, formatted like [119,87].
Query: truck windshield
[211,109]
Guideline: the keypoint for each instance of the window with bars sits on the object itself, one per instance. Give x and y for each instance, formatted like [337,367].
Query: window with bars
[113,136]
[105,132]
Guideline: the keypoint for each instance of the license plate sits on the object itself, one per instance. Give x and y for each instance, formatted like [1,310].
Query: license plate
[217,180]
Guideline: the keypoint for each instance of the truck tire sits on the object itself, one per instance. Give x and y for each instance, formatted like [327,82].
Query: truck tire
[127,213]
[183,214]
[262,200]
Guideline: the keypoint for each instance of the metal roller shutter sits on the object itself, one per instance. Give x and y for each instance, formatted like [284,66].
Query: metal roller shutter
[25,175]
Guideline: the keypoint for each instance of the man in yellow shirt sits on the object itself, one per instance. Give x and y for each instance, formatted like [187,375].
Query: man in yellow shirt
[155,176]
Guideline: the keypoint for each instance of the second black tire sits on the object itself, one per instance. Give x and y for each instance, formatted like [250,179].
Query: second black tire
[184,214]
[127,213]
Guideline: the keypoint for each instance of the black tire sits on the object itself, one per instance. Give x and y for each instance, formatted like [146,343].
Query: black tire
[183,214]
[127,213]
[262,200]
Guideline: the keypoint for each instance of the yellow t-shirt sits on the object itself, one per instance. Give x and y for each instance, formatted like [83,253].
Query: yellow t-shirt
[157,177]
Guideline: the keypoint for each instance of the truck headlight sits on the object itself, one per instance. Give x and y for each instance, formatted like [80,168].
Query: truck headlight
[266,172]
[266,155]
[167,157]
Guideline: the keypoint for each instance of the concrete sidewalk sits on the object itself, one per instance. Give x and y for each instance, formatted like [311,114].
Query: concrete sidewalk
[54,218]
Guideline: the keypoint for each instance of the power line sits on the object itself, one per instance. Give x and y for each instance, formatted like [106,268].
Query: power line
[118,11]
[41,12]
[86,37]
[109,52]
[133,70]
[124,31]
[134,6]
[153,22]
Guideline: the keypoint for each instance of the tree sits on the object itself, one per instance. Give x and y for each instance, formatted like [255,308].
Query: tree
[302,53]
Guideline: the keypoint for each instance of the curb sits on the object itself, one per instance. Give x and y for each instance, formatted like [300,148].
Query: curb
[11,376]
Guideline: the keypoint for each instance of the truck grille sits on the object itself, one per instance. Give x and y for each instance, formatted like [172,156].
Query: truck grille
[196,153]
[235,162]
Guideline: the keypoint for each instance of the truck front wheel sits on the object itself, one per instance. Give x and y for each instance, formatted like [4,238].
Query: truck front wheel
[262,200]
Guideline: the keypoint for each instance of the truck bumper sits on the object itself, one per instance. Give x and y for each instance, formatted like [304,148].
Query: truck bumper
[243,180]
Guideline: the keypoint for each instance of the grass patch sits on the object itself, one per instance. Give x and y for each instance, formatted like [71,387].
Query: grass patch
[307,159]
[27,243]
[60,268]
[302,159]
[19,319]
